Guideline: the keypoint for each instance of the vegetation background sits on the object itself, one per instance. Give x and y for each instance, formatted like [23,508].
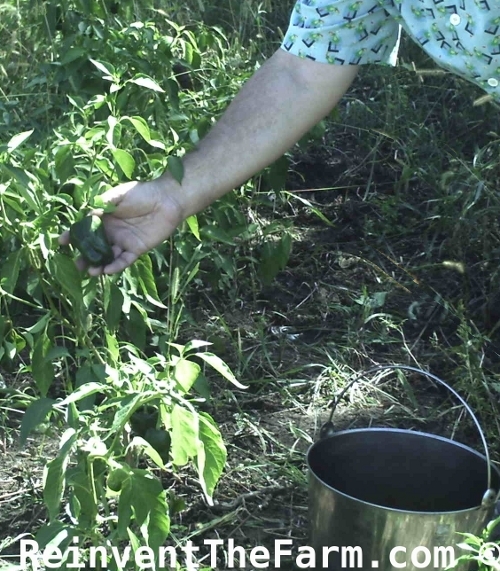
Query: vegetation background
[375,240]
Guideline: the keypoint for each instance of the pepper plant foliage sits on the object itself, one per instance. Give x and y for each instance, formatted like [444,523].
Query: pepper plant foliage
[102,352]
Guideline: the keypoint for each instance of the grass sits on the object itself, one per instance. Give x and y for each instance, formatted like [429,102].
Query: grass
[407,173]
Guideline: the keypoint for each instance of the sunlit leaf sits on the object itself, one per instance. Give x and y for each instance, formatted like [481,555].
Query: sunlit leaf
[18,140]
[127,405]
[125,161]
[138,442]
[83,391]
[144,268]
[212,460]
[218,364]
[185,373]
[147,82]
[185,440]
[107,68]
[141,127]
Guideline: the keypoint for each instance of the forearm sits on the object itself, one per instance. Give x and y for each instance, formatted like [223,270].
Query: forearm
[282,101]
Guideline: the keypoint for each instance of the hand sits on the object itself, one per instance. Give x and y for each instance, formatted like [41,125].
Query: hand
[145,216]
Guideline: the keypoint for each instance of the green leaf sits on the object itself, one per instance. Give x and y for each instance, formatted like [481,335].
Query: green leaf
[126,408]
[192,222]
[54,475]
[78,478]
[56,534]
[135,542]
[99,203]
[10,271]
[24,186]
[212,460]
[159,521]
[176,168]
[185,373]
[40,325]
[57,352]
[18,174]
[18,140]
[87,374]
[68,276]
[113,303]
[141,127]
[144,269]
[107,68]
[216,234]
[195,344]
[202,387]
[124,508]
[73,54]
[173,92]
[41,369]
[113,347]
[136,327]
[218,364]
[147,492]
[125,161]
[83,391]
[35,414]
[274,257]
[146,447]
[147,82]
[175,284]
[468,547]
[188,53]
[185,441]
[117,478]
[143,496]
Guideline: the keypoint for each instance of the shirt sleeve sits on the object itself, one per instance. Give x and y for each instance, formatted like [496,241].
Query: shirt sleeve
[345,32]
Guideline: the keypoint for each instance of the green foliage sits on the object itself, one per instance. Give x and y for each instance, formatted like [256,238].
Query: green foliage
[480,549]
[100,350]
[119,414]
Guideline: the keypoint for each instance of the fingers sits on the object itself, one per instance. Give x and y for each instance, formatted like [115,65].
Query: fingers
[64,239]
[115,195]
[122,261]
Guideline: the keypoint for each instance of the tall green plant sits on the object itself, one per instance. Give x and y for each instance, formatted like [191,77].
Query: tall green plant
[102,351]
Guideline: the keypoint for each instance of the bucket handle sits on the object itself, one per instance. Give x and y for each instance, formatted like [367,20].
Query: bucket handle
[327,429]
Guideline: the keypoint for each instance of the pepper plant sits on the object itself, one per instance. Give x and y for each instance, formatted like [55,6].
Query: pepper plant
[108,373]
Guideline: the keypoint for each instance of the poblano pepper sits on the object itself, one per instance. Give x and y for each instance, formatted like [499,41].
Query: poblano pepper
[89,237]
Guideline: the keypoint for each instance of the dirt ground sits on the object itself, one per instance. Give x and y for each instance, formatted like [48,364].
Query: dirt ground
[263,494]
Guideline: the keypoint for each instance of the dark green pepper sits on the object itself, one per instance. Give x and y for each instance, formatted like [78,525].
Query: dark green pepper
[89,237]
[160,441]
[143,419]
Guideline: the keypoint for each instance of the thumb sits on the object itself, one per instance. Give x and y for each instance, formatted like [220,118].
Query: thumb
[110,200]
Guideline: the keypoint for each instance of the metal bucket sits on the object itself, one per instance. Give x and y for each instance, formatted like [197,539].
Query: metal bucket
[396,499]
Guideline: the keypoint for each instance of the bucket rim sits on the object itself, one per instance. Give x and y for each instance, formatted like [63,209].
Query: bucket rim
[406,432]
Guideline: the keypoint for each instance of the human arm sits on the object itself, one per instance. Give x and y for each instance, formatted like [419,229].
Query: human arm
[285,98]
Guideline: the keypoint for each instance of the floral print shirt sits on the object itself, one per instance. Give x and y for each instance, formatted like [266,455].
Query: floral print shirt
[462,36]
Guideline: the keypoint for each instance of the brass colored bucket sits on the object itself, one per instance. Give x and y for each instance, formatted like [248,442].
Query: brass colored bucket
[396,499]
